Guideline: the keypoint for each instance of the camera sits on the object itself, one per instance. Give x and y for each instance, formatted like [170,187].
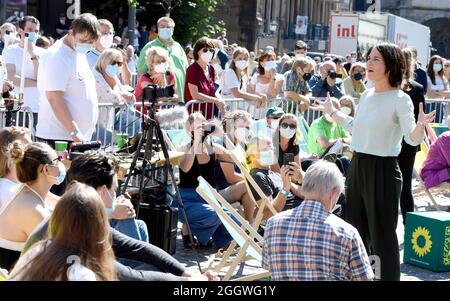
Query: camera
[152,92]
[332,74]
[208,129]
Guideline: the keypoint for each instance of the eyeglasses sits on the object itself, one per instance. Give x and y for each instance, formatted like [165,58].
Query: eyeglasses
[117,63]
[108,33]
[58,159]
[208,49]
[288,125]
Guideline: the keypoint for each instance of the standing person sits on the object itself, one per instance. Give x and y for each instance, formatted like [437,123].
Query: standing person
[189,54]
[7,28]
[78,228]
[384,116]
[200,79]
[223,38]
[144,38]
[153,34]
[340,70]
[266,81]
[437,84]
[13,62]
[105,41]
[326,81]
[177,62]
[300,51]
[351,59]
[296,82]
[354,84]
[420,74]
[408,152]
[67,85]
[62,26]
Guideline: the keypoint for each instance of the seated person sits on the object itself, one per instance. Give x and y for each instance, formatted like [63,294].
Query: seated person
[324,131]
[8,176]
[199,159]
[308,242]
[348,106]
[100,172]
[436,168]
[229,181]
[277,186]
[79,229]
[38,169]
[327,82]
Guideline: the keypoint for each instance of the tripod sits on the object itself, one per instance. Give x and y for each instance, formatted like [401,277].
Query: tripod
[150,129]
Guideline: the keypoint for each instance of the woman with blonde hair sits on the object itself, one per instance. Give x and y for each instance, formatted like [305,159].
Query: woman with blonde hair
[38,168]
[79,243]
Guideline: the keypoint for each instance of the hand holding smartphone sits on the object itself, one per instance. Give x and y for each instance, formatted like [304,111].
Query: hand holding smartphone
[288,158]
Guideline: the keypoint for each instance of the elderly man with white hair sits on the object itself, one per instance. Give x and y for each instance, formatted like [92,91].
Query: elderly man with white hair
[309,242]
[327,81]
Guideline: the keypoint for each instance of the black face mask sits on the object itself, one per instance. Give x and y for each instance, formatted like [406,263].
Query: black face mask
[307,76]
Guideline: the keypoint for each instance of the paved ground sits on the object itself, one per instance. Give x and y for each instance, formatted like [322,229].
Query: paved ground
[409,272]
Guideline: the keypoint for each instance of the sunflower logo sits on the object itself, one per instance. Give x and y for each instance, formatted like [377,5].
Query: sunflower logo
[421,241]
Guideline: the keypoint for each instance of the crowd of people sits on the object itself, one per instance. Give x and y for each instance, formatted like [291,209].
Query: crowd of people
[373,120]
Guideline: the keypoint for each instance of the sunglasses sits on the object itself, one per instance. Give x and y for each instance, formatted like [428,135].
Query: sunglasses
[208,49]
[287,125]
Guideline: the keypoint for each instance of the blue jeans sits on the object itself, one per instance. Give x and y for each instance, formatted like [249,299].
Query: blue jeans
[134,228]
[127,122]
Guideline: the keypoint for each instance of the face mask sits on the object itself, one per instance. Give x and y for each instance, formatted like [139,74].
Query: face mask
[7,38]
[106,40]
[62,21]
[353,59]
[165,33]
[110,210]
[346,110]
[307,76]
[274,123]
[242,134]
[287,133]
[112,70]
[269,65]
[241,64]
[207,57]
[357,76]
[82,48]
[300,55]
[32,37]
[437,67]
[161,68]
[266,158]
[62,173]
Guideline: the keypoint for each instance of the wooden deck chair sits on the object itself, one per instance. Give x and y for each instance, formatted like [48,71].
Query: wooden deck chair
[3,274]
[303,128]
[244,235]
[238,156]
[421,189]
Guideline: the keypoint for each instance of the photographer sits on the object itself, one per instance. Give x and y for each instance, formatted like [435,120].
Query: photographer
[199,160]
[327,81]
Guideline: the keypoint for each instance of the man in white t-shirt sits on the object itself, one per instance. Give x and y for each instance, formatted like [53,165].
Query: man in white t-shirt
[13,61]
[69,108]
[105,41]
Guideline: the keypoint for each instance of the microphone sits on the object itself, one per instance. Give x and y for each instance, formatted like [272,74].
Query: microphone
[85,146]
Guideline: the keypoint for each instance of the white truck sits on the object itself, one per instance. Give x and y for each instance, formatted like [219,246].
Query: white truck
[358,31]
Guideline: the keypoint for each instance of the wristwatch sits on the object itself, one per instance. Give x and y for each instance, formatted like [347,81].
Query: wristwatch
[286,193]
[74,133]
[420,123]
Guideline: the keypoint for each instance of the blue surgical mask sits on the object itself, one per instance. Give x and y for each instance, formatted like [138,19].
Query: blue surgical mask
[62,173]
[112,70]
[357,76]
[82,48]
[110,210]
[165,33]
[32,37]
[266,158]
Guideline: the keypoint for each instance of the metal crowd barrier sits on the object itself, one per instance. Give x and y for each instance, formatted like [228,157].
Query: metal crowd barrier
[442,107]
[22,118]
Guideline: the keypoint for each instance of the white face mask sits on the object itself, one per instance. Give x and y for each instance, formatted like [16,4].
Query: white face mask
[242,134]
[287,133]
[346,110]
[353,59]
[207,57]
[241,64]
[161,68]
[106,40]
[437,67]
[300,55]
[266,158]
[269,65]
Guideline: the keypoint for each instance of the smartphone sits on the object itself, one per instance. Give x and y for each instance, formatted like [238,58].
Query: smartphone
[288,158]
[119,46]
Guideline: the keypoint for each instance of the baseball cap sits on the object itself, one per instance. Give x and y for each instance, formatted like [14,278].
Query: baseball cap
[274,111]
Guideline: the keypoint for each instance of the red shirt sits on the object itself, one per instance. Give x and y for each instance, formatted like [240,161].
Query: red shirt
[196,76]
[138,90]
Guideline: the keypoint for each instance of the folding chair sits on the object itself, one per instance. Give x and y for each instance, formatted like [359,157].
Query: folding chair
[303,128]
[244,235]
[3,274]
[418,164]
[238,156]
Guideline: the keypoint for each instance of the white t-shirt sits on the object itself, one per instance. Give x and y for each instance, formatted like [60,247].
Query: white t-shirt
[7,189]
[14,57]
[439,86]
[229,81]
[264,88]
[63,69]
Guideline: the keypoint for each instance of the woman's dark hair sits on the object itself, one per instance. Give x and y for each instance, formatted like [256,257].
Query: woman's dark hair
[430,70]
[95,170]
[394,60]
[28,159]
[266,55]
[201,43]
